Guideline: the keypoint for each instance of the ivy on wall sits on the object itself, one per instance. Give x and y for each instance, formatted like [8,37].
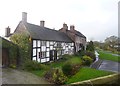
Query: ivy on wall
[12,49]
[24,44]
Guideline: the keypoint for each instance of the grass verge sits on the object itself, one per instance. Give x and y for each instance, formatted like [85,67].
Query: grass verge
[85,74]
[108,56]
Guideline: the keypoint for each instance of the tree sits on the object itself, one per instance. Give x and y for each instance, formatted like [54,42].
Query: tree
[90,46]
[23,42]
[111,42]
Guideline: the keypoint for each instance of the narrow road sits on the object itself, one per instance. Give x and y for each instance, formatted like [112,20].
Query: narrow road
[110,66]
[11,76]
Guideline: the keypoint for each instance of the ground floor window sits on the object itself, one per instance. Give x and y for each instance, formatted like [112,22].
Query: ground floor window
[41,54]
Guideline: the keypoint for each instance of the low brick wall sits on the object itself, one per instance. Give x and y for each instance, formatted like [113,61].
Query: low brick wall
[110,79]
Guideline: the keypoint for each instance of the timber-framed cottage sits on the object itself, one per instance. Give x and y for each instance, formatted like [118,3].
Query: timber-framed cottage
[47,44]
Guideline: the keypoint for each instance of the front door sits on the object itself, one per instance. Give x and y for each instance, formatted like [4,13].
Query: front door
[5,57]
[53,55]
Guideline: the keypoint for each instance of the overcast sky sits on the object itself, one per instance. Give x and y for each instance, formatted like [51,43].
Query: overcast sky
[96,19]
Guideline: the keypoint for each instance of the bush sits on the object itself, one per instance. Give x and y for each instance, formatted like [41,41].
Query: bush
[77,54]
[67,68]
[56,76]
[13,66]
[90,46]
[82,53]
[70,69]
[87,60]
[34,65]
[66,56]
[91,55]
[24,45]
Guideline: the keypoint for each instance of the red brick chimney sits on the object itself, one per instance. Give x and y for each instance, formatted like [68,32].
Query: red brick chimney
[65,26]
[72,28]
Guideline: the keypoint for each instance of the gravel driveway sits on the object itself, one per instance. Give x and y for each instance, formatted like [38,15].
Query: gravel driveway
[11,76]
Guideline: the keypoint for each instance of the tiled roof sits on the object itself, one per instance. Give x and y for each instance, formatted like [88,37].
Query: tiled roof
[44,33]
[80,34]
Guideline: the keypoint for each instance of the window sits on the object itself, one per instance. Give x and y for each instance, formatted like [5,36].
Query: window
[59,45]
[43,43]
[41,54]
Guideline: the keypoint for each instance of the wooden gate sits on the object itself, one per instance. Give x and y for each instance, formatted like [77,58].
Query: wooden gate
[5,57]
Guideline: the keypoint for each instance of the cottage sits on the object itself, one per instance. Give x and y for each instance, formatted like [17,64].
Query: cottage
[47,44]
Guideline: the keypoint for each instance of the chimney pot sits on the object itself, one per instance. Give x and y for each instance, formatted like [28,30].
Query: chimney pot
[65,26]
[42,23]
[72,27]
[24,16]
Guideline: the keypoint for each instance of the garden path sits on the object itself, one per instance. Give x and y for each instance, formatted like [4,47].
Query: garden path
[11,76]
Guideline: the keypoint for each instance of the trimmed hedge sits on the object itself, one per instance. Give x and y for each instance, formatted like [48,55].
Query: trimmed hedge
[34,65]
[13,51]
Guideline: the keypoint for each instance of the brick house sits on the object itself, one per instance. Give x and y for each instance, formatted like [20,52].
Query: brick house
[76,36]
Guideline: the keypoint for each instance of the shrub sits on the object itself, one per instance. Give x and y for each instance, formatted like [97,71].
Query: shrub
[70,68]
[13,66]
[56,76]
[66,56]
[67,68]
[90,46]
[91,55]
[87,60]
[33,65]
[23,42]
[82,53]
[77,54]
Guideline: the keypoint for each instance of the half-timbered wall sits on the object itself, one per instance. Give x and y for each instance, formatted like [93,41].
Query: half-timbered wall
[43,49]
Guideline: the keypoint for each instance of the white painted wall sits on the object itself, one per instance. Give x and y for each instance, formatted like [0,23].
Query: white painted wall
[34,43]
[67,47]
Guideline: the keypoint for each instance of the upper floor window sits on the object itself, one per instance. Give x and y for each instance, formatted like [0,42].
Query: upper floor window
[34,43]
[43,43]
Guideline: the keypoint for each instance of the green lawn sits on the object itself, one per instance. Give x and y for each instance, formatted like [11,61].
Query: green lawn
[108,56]
[73,59]
[86,74]
[57,64]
